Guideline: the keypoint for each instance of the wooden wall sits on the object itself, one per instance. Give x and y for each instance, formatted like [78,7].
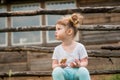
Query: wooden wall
[13,61]
[101,37]
[35,61]
[86,37]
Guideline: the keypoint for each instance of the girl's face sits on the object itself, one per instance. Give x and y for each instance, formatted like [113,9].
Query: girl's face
[60,32]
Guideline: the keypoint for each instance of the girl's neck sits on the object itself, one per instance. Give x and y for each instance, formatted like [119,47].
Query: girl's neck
[68,42]
[69,45]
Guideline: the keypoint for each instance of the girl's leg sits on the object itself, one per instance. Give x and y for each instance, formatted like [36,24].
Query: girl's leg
[83,74]
[58,74]
[69,73]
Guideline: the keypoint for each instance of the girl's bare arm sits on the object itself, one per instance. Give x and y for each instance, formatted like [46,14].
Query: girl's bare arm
[83,62]
[55,63]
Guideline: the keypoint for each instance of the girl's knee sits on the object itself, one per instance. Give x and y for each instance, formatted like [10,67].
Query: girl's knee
[83,71]
[57,71]
[84,74]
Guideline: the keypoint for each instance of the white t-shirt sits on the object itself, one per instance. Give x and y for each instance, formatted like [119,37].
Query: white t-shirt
[79,52]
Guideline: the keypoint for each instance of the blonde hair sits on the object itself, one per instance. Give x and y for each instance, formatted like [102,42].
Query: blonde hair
[73,21]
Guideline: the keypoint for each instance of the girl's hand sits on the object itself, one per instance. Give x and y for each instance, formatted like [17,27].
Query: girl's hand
[77,61]
[72,64]
[75,64]
[63,65]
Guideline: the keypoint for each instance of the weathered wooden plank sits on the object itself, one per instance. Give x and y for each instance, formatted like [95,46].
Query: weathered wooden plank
[99,27]
[91,53]
[40,61]
[101,18]
[45,63]
[101,40]
[48,73]
[97,72]
[115,19]
[27,48]
[28,78]
[105,36]
[18,66]
[111,47]
[41,64]
[28,28]
[103,53]
[105,9]
[84,33]
[10,57]
[52,28]
[103,63]
[96,20]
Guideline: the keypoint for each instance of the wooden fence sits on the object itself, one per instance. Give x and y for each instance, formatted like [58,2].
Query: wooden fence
[108,9]
[112,52]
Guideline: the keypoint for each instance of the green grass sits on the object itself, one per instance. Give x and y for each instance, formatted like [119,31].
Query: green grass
[115,77]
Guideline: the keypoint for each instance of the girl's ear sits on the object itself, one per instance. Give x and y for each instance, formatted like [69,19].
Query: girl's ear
[69,31]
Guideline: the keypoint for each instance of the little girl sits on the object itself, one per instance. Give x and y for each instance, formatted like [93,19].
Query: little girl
[70,57]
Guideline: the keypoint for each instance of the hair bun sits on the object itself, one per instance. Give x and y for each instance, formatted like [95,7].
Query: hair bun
[76,19]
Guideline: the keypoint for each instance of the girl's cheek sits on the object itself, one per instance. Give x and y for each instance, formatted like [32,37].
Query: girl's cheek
[55,32]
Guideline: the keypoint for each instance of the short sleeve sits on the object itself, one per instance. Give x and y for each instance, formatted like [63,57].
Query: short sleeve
[55,55]
[83,52]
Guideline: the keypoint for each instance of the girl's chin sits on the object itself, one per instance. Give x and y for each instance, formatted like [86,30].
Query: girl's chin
[57,39]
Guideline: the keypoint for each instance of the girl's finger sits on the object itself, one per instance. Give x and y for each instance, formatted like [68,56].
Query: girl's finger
[77,60]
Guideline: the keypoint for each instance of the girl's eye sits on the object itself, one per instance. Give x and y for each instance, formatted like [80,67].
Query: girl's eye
[58,29]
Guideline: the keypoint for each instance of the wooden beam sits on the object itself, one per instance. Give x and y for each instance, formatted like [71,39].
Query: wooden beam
[111,47]
[107,9]
[99,27]
[103,53]
[52,28]
[28,28]
[91,53]
[32,49]
[103,72]
[48,73]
